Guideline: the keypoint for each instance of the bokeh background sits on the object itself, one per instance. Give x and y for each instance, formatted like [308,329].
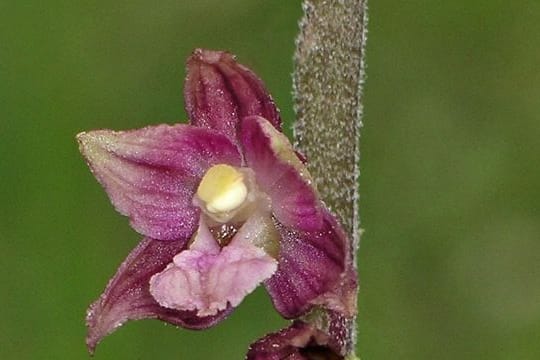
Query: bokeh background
[450,259]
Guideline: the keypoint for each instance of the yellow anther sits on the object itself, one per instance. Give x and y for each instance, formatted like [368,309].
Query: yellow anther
[222,189]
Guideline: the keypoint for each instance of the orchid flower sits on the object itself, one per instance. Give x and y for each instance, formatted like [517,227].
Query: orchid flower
[224,204]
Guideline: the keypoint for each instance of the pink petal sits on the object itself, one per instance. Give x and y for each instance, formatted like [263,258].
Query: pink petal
[282,176]
[127,295]
[311,267]
[151,174]
[207,279]
[219,92]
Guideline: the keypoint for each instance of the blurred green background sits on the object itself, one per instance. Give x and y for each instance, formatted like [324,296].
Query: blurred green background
[450,260]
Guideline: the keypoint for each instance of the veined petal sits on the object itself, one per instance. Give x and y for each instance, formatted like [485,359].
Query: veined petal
[151,174]
[207,279]
[300,341]
[219,91]
[311,266]
[127,295]
[281,175]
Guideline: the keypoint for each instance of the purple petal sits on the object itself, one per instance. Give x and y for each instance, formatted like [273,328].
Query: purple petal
[127,295]
[300,341]
[311,267]
[206,278]
[219,92]
[151,174]
[281,175]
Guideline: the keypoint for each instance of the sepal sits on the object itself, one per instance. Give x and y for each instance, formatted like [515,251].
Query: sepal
[312,267]
[127,296]
[219,92]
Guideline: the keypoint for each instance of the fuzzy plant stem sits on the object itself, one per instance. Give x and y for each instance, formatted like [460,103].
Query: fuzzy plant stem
[328,81]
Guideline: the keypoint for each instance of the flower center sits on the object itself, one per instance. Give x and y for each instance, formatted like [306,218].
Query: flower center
[222,189]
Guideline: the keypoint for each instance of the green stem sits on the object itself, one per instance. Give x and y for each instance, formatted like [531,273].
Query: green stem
[328,81]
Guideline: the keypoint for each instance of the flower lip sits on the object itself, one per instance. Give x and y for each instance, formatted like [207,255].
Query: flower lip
[207,278]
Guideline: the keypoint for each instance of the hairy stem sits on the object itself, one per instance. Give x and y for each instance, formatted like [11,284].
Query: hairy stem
[328,80]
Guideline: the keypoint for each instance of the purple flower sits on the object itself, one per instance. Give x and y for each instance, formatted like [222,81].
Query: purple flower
[224,204]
